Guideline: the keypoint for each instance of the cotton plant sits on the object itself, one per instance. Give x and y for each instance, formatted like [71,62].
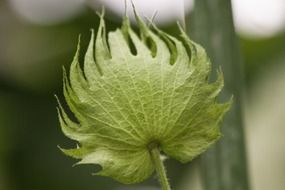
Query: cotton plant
[138,97]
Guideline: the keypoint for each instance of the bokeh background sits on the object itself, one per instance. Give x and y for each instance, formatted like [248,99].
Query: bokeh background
[38,37]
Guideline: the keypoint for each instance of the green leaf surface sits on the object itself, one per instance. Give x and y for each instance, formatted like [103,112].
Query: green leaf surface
[126,102]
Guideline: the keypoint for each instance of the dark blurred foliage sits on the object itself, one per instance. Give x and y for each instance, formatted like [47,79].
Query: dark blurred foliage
[258,53]
[31,55]
[31,60]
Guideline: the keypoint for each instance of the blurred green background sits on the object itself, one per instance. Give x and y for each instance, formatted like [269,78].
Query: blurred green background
[38,37]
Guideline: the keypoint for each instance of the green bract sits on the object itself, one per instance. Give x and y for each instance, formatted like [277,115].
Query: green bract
[127,102]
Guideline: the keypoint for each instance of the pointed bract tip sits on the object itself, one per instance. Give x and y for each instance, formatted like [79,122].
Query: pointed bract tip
[101,14]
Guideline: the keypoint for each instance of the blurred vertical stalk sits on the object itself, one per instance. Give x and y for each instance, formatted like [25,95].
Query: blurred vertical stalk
[223,167]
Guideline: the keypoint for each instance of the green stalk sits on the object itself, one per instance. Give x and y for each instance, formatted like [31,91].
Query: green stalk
[159,167]
[224,166]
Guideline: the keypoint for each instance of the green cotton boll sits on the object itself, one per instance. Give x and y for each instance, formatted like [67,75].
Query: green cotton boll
[126,103]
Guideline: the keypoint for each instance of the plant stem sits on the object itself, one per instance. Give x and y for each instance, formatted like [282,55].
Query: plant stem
[224,166]
[159,167]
